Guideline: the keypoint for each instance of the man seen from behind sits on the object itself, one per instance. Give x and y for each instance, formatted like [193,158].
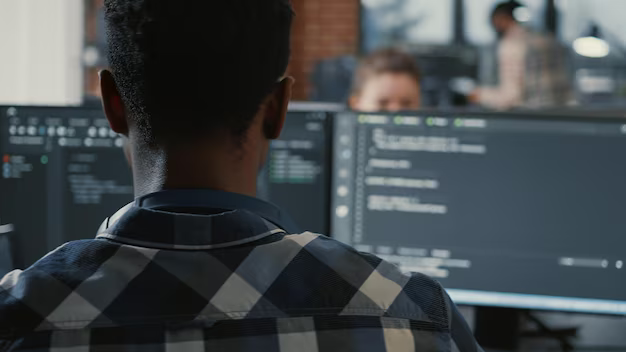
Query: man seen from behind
[197,263]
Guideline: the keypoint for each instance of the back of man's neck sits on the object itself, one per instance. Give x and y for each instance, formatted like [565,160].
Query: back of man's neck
[197,169]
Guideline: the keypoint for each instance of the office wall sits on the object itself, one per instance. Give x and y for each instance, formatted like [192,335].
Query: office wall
[579,15]
[40,51]
[322,29]
[42,40]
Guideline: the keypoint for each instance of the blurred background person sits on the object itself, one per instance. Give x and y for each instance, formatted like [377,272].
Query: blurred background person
[386,80]
[531,66]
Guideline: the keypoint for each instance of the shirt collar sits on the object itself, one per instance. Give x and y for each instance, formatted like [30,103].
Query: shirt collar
[234,219]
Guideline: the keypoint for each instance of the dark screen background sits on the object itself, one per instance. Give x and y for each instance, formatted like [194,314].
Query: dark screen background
[297,174]
[64,179]
[83,177]
[539,194]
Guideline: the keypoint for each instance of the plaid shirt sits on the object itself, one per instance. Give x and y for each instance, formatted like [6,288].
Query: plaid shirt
[166,274]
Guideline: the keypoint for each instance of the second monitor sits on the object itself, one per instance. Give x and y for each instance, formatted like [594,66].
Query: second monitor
[64,172]
[505,210]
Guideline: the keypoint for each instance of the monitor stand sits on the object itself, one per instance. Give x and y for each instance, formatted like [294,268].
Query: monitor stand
[498,328]
[543,331]
[501,329]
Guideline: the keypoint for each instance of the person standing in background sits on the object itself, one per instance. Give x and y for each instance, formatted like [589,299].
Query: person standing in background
[386,80]
[531,70]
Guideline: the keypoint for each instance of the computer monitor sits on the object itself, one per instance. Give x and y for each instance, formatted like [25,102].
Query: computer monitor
[297,176]
[505,210]
[63,173]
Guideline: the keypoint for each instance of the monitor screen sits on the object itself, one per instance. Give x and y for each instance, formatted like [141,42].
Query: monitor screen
[63,173]
[297,174]
[504,210]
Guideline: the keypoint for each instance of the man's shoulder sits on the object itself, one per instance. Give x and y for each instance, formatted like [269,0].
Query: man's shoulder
[374,285]
[28,297]
[341,256]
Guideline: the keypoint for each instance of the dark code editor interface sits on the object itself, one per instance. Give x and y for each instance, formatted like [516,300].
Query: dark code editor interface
[63,173]
[297,174]
[487,203]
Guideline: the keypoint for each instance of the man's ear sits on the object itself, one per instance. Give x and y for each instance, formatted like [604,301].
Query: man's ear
[277,107]
[112,103]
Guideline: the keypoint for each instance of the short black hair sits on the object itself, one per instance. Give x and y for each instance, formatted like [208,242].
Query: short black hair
[506,8]
[186,68]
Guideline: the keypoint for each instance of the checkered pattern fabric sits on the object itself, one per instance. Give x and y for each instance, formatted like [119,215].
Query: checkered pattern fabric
[232,281]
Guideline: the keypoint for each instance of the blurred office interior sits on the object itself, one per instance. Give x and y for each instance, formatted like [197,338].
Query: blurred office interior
[451,40]
[53,50]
